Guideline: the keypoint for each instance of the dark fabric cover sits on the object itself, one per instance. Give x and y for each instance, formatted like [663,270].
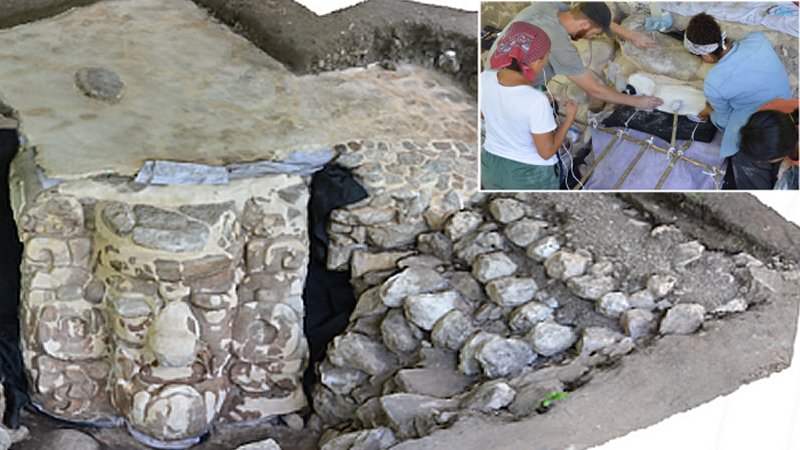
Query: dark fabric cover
[659,124]
[328,295]
[11,367]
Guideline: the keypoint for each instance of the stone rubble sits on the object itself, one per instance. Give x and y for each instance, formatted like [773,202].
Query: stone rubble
[682,319]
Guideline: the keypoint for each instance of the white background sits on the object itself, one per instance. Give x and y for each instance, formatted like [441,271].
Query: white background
[763,415]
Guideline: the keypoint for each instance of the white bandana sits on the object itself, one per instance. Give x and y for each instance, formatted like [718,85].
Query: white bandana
[700,50]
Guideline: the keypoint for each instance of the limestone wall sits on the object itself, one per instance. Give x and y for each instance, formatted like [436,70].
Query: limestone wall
[172,307]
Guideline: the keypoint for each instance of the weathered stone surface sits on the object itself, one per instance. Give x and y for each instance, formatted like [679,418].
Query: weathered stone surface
[643,300]
[436,243]
[526,316]
[543,249]
[175,335]
[462,223]
[613,304]
[467,363]
[70,439]
[361,352]
[688,253]
[372,216]
[411,281]
[564,265]
[490,396]
[637,323]
[452,330]
[475,244]
[408,414]
[493,265]
[398,335]
[506,210]
[364,261]
[395,235]
[439,383]
[468,286]
[425,261]
[369,304]
[591,287]
[526,231]
[668,58]
[549,338]
[595,338]
[373,439]
[340,380]
[684,318]
[161,229]
[100,83]
[267,444]
[53,214]
[511,291]
[425,309]
[501,357]
[736,305]
[661,285]
[529,397]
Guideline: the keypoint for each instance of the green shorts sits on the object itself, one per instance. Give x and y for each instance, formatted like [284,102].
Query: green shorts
[498,173]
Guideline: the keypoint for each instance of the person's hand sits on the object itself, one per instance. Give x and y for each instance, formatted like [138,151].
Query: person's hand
[646,102]
[642,40]
[570,108]
[705,113]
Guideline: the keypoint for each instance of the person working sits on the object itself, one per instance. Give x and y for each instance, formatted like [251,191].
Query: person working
[746,74]
[564,25]
[768,143]
[519,150]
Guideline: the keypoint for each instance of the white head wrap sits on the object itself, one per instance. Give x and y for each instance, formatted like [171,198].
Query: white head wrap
[700,50]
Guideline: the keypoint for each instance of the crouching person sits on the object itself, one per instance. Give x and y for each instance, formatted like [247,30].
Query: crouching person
[768,144]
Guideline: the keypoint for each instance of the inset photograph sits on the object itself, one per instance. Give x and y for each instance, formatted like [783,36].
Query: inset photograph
[638,96]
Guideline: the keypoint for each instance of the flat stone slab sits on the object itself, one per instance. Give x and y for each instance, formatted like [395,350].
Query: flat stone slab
[195,91]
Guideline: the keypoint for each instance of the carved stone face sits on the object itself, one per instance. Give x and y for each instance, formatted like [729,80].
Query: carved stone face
[188,316]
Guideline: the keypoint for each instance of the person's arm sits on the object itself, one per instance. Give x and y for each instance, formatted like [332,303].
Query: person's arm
[639,39]
[594,88]
[547,144]
[721,110]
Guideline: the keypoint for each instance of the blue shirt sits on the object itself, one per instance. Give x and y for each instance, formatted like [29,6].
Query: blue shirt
[750,75]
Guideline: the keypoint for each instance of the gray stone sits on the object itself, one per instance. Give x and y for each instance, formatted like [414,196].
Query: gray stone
[529,397]
[100,83]
[436,244]
[590,287]
[470,247]
[340,380]
[467,363]
[684,318]
[736,305]
[490,396]
[468,286]
[526,316]
[372,216]
[374,439]
[564,265]
[69,439]
[549,338]
[637,323]
[440,383]
[425,261]
[167,230]
[361,352]
[596,338]
[746,260]
[687,253]
[395,235]
[493,265]
[119,218]
[267,444]
[543,249]
[398,334]
[369,304]
[424,310]
[411,281]
[661,285]
[511,291]
[506,210]
[452,330]
[501,357]
[363,261]
[524,232]
[643,300]
[613,304]
[408,414]
[462,223]
[209,213]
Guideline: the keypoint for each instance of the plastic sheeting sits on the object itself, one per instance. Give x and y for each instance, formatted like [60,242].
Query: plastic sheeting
[652,164]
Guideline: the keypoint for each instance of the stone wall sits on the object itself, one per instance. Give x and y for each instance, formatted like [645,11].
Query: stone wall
[172,307]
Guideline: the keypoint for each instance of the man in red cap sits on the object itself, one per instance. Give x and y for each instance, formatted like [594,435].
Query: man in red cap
[522,139]
[584,21]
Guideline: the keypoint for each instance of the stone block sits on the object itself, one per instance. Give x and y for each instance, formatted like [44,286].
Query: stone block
[550,338]
[511,291]
[684,318]
[425,309]
[411,281]
[564,265]
[490,266]
[526,231]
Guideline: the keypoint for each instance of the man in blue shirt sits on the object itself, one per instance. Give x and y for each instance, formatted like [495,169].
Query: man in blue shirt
[746,74]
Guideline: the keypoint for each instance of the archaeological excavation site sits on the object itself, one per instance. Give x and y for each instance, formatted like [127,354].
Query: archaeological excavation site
[241,225]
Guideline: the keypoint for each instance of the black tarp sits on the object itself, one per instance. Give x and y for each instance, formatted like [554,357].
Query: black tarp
[11,368]
[659,123]
[328,295]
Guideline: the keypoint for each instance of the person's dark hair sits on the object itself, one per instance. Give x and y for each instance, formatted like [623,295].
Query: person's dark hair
[514,66]
[768,135]
[704,30]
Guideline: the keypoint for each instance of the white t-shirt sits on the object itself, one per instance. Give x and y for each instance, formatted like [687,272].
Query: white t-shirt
[511,114]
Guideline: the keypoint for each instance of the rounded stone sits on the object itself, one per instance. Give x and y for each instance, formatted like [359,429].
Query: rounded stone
[100,83]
